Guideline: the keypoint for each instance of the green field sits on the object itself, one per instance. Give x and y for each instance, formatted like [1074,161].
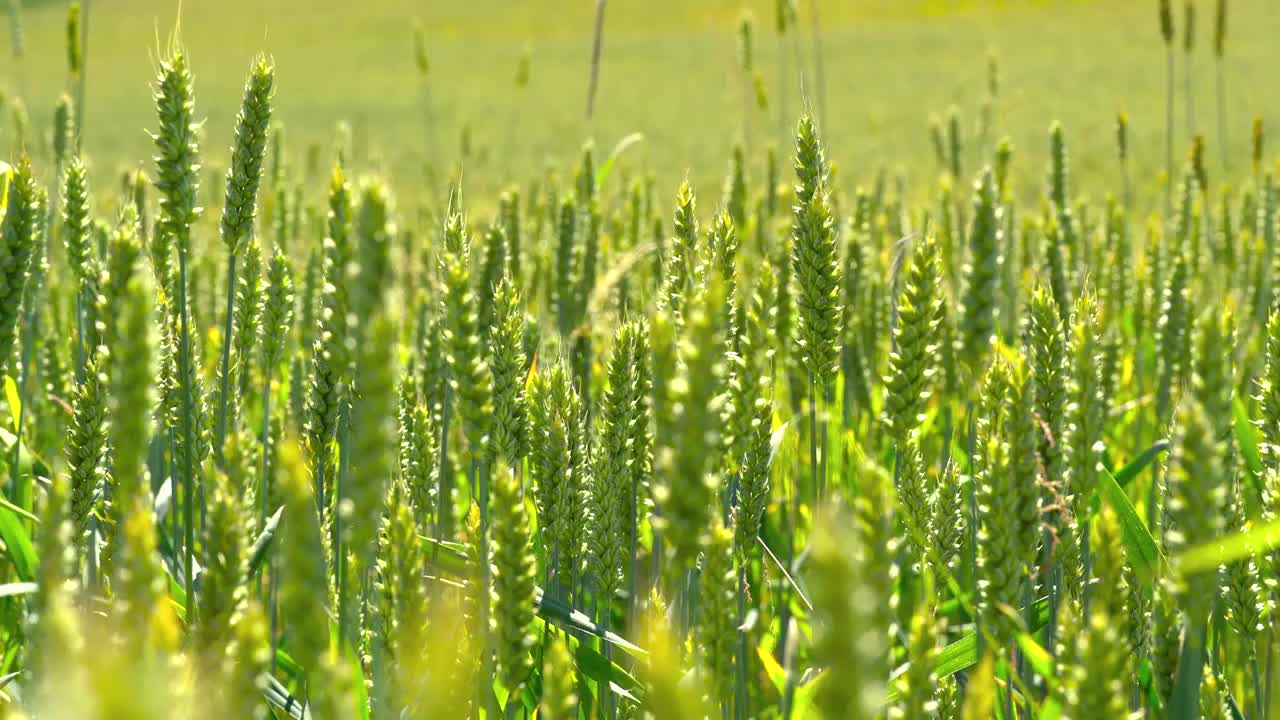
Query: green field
[943,385]
[668,71]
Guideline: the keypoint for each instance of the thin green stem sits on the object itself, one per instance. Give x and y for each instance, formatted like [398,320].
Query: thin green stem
[1222,117]
[971,424]
[444,493]
[1168,135]
[339,552]
[1008,687]
[635,548]
[1259,709]
[479,473]
[83,80]
[1266,693]
[742,701]
[187,470]
[264,482]
[1185,703]
[814,468]
[226,356]
[22,485]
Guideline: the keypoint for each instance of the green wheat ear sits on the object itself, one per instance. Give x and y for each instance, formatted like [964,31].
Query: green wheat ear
[87,449]
[955,147]
[373,434]
[64,130]
[734,198]
[19,233]
[918,687]
[1258,138]
[913,499]
[141,586]
[1243,598]
[683,250]
[1096,684]
[1045,343]
[814,259]
[401,561]
[914,359]
[977,324]
[305,579]
[177,161]
[1172,334]
[514,570]
[688,491]
[132,398]
[1268,397]
[559,681]
[717,622]
[1167,632]
[1003,159]
[672,691]
[246,319]
[1195,500]
[73,39]
[509,217]
[509,364]
[226,544]
[1008,493]
[751,393]
[1086,411]
[470,378]
[277,310]
[81,255]
[248,658]
[247,155]
[1058,169]
[846,599]
[611,496]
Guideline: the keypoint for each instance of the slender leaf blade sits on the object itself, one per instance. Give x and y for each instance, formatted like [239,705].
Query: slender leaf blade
[1142,550]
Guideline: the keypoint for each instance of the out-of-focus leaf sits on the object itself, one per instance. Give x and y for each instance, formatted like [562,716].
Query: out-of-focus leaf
[603,173]
[561,615]
[18,543]
[1247,438]
[11,396]
[1140,547]
[1127,473]
[600,669]
[260,546]
[1221,551]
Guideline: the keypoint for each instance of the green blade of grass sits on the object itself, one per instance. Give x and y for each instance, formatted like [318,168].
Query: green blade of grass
[963,653]
[1140,546]
[448,557]
[1127,473]
[260,546]
[607,168]
[18,543]
[1039,658]
[1220,551]
[1247,439]
[600,669]
[561,615]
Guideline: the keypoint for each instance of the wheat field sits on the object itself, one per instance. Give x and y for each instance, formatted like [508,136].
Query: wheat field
[494,360]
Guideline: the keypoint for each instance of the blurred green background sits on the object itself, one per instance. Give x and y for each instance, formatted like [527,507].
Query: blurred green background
[669,70]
